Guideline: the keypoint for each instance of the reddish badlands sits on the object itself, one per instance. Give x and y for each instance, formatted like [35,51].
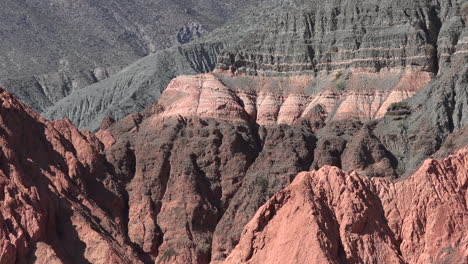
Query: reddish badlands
[135,193]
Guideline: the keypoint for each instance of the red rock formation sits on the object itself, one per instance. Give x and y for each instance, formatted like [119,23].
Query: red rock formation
[329,216]
[58,202]
[166,188]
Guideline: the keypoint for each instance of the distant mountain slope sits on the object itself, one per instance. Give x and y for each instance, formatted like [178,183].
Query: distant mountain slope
[135,87]
[48,48]
[417,39]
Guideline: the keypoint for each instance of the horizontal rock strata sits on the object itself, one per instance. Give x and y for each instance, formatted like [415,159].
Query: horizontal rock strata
[277,100]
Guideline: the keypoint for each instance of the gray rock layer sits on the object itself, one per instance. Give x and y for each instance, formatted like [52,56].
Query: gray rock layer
[49,48]
[135,87]
[303,37]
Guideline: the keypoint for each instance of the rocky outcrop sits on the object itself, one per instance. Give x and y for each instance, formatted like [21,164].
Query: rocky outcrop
[329,216]
[422,124]
[279,135]
[59,201]
[42,91]
[308,36]
[200,170]
[294,37]
[274,137]
[177,182]
[114,196]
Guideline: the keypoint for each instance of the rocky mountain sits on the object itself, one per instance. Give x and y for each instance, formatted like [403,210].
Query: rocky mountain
[50,48]
[316,117]
[135,87]
[201,125]
[394,45]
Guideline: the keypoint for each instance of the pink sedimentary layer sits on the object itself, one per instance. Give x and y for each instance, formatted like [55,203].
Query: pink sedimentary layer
[277,100]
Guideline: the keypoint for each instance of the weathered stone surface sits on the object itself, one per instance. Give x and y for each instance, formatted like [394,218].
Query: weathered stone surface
[277,153]
[437,111]
[59,202]
[184,169]
[135,87]
[329,216]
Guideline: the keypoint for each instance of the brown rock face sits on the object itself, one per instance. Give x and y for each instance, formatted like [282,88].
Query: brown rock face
[191,181]
[58,201]
[329,216]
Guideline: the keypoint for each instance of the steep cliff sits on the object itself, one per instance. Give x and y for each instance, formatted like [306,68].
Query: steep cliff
[87,201]
[288,100]
[59,201]
[289,124]
[195,170]
[298,87]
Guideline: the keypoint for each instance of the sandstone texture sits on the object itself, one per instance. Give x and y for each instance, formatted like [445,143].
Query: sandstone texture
[211,163]
[134,87]
[216,130]
[187,177]
[362,92]
[329,216]
[201,131]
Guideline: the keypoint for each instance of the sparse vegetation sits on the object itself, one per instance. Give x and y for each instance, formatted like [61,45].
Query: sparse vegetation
[340,87]
[243,83]
[262,182]
[204,248]
[399,110]
[338,75]
[449,145]
[398,106]
[430,50]
[403,126]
